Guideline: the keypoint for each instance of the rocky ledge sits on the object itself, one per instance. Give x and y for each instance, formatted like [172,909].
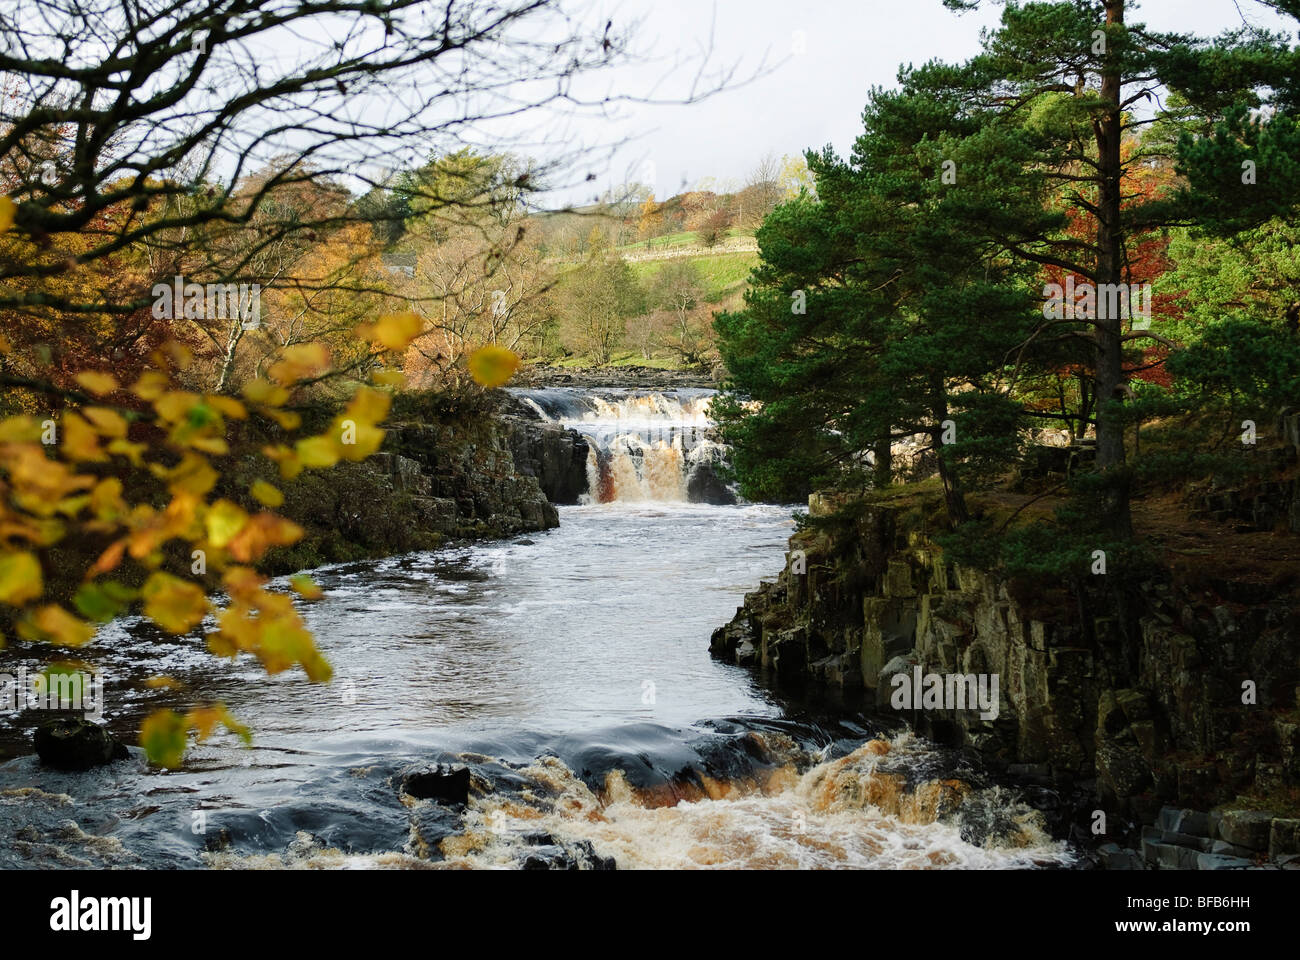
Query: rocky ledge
[651,378]
[1130,699]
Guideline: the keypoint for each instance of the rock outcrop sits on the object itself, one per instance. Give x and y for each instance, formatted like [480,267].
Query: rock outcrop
[74,743]
[555,455]
[464,482]
[1138,695]
[433,481]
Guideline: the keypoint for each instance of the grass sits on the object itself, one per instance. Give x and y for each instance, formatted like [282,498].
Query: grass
[685,238]
[621,358]
[724,274]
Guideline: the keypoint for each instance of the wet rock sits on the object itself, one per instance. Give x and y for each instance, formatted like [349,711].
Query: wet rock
[74,743]
[1173,820]
[1169,856]
[445,783]
[1230,849]
[574,856]
[1283,838]
[1115,857]
[1131,693]
[1217,861]
[1246,828]
[703,485]
[555,455]
[429,826]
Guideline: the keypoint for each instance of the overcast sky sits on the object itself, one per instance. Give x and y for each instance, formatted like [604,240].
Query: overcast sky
[824,56]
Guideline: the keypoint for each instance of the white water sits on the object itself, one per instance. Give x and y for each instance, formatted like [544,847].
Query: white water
[643,446]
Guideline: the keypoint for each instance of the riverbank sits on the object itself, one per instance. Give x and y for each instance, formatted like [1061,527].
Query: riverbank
[630,376]
[1166,708]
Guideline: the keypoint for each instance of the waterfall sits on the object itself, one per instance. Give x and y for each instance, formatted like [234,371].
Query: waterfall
[643,445]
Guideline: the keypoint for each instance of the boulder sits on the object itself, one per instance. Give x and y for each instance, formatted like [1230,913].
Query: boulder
[443,782]
[1217,861]
[1246,828]
[1283,838]
[74,743]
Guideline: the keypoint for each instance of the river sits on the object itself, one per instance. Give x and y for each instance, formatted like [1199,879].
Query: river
[569,673]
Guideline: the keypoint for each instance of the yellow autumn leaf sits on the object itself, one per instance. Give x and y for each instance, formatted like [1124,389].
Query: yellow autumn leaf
[163,734]
[358,440]
[317,451]
[491,366]
[204,720]
[290,465]
[108,423]
[7,211]
[368,405]
[53,624]
[150,386]
[97,382]
[132,451]
[228,406]
[287,419]
[80,441]
[20,578]
[192,475]
[265,393]
[176,605]
[262,532]
[393,331]
[224,520]
[173,353]
[106,499]
[20,429]
[174,406]
[299,361]
[266,494]
[306,587]
[216,446]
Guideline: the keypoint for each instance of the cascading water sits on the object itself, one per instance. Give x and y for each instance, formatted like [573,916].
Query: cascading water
[643,445]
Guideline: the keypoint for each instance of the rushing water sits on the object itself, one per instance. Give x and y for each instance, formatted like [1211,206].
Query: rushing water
[569,672]
[641,445]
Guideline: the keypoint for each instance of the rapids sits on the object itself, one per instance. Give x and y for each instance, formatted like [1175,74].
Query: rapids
[568,672]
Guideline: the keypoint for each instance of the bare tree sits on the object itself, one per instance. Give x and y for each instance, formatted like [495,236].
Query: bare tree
[135,125]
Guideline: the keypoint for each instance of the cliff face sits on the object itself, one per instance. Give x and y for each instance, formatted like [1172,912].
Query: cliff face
[554,455]
[433,481]
[1132,693]
[464,480]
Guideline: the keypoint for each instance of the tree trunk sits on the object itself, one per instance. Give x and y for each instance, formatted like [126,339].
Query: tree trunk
[228,360]
[882,456]
[953,497]
[1110,260]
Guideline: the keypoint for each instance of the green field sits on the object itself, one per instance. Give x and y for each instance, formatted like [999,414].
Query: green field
[723,274]
[687,238]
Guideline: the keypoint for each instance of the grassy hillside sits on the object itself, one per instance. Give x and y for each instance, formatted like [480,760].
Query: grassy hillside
[724,274]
